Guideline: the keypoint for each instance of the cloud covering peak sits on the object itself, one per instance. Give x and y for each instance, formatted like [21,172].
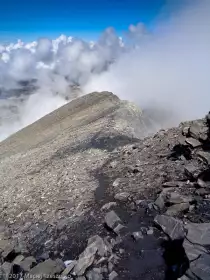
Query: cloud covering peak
[166,70]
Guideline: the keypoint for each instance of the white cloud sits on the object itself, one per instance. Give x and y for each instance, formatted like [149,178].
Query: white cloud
[169,70]
[166,71]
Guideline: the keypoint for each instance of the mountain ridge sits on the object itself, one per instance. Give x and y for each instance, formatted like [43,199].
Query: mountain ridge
[93,164]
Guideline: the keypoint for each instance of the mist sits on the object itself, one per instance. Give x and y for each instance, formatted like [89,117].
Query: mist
[170,70]
[166,71]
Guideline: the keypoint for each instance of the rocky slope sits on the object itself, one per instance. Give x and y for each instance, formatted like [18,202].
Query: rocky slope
[83,185]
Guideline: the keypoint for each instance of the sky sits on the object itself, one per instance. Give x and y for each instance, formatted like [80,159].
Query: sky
[30,19]
[156,54]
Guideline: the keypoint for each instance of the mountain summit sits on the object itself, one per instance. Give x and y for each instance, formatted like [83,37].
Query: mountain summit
[85,192]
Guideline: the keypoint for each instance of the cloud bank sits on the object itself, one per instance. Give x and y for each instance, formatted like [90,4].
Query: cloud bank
[165,71]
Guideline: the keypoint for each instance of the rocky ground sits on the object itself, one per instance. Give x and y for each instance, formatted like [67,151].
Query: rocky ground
[146,213]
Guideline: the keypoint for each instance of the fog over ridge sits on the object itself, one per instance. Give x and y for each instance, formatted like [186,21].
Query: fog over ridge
[166,71]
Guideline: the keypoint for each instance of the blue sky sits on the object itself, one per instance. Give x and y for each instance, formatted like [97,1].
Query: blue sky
[29,19]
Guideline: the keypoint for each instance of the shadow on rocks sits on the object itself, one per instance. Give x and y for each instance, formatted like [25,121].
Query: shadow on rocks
[175,258]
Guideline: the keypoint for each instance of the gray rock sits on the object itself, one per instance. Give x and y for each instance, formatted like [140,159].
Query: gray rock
[102,261]
[172,227]
[60,264]
[202,184]
[102,247]
[177,209]
[194,143]
[104,269]
[144,230]
[6,271]
[87,258]
[137,235]
[18,259]
[116,182]
[184,277]
[176,198]
[112,219]
[199,130]
[202,192]
[193,251]
[108,205]
[121,251]
[198,233]
[120,230]
[44,270]
[110,266]
[132,206]
[68,269]
[143,202]
[160,201]
[113,259]
[151,205]
[45,256]
[93,275]
[205,156]
[190,275]
[97,269]
[4,243]
[81,278]
[122,196]
[192,171]
[185,130]
[150,231]
[113,275]
[9,250]
[109,243]
[201,267]
[169,196]
[28,263]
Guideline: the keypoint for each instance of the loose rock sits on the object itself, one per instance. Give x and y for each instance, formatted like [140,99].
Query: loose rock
[6,270]
[176,198]
[150,231]
[171,226]
[201,267]
[122,196]
[177,209]
[205,156]
[192,171]
[193,142]
[102,247]
[137,235]
[112,220]
[109,205]
[28,263]
[160,201]
[9,252]
[185,130]
[68,269]
[116,182]
[93,275]
[18,259]
[198,233]
[199,130]
[113,275]
[193,251]
[120,230]
[45,270]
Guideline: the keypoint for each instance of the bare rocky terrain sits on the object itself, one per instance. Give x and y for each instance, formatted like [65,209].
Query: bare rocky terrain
[87,194]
